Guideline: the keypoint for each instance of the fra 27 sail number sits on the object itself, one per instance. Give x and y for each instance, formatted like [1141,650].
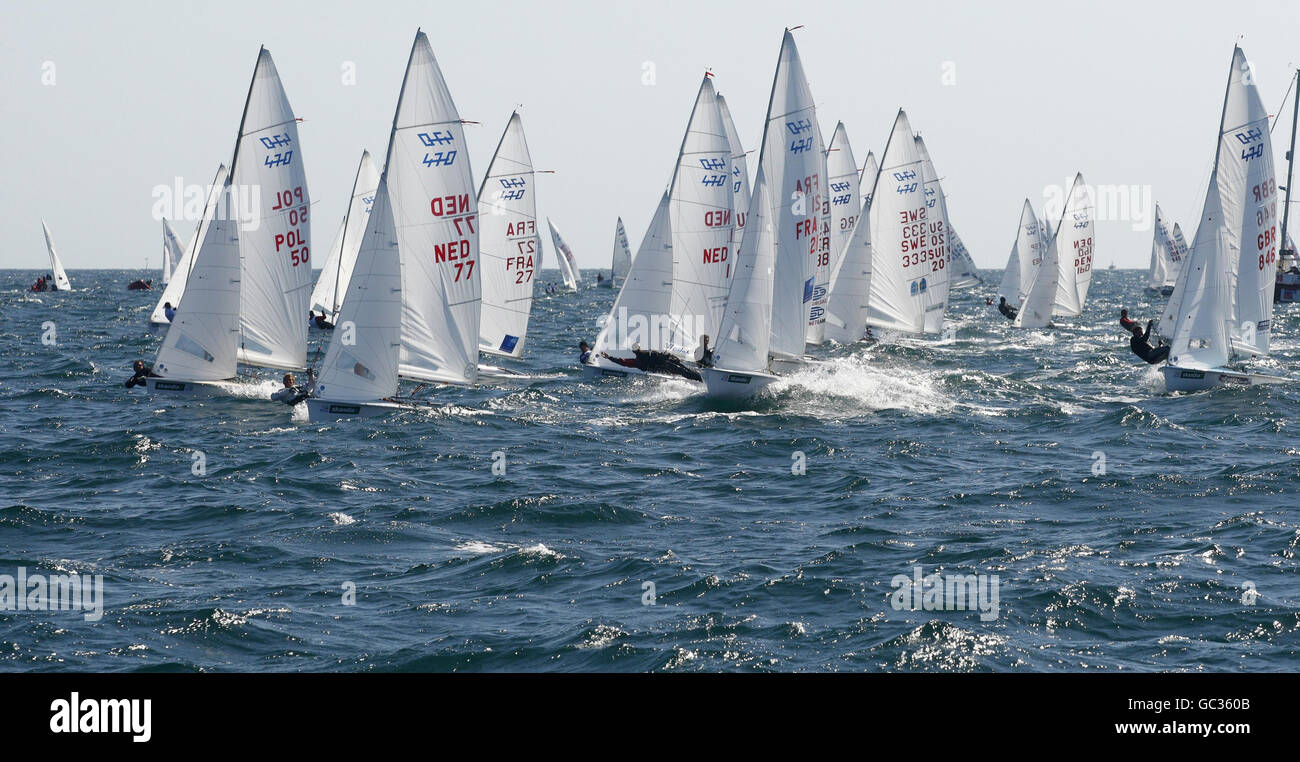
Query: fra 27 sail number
[293,239]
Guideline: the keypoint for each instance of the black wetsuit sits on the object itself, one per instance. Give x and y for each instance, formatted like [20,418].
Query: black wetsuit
[322,323]
[706,360]
[1141,346]
[1006,309]
[658,362]
[139,377]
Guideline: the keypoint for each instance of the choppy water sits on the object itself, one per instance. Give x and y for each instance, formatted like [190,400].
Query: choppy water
[970,455]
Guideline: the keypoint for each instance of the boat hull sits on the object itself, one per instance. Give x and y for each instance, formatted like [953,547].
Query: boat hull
[726,384]
[190,389]
[328,410]
[593,372]
[1199,379]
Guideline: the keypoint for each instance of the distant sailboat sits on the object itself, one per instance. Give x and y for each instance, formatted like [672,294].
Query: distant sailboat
[61,282]
[1166,258]
[1055,283]
[1222,306]
[332,282]
[1026,258]
[569,271]
[269,294]
[766,318]
[621,259]
[181,272]
[508,244]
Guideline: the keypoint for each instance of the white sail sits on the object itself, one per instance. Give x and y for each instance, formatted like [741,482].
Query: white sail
[56,267]
[937,210]
[867,179]
[1026,257]
[435,211]
[172,251]
[1039,290]
[794,167]
[332,283]
[821,257]
[564,256]
[1074,246]
[744,341]
[203,341]
[739,176]
[508,244]
[275,239]
[621,259]
[699,207]
[1180,246]
[845,192]
[964,272]
[640,311]
[909,277]
[1248,192]
[365,368]
[1164,254]
[847,307]
[180,274]
[1199,310]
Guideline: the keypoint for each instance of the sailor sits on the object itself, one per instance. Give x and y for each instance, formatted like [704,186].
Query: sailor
[584,352]
[39,285]
[320,321]
[292,393]
[169,311]
[142,372]
[706,354]
[655,362]
[1141,345]
[1006,309]
[54,286]
[1128,323]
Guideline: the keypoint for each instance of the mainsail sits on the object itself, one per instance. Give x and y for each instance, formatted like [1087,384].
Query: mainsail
[909,276]
[739,176]
[508,243]
[1026,256]
[275,239]
[845,191]
[435,213]
[621,258]
[1166,256]
[332,283]
[700,202]
[1073,243]
[172,251]
[744,341]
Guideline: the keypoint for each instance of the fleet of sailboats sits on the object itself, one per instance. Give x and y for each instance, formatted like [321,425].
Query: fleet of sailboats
[429,271]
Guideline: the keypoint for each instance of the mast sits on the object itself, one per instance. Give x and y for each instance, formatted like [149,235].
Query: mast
[1290,165]
[337,303]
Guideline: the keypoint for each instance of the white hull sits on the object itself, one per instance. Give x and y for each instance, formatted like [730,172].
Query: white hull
[592,372]
[1199,379]
[735,385]
[326,410]
[190,389]
[490,372]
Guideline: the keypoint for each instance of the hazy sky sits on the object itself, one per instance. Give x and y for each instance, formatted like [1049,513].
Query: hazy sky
[1012,98]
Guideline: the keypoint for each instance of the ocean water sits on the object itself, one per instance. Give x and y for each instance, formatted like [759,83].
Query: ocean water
[638,526]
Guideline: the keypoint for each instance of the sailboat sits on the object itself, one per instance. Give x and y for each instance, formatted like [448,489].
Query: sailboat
[269,293]
[508,245]
[332,283]
[1054,288]
[845,192]
[962,271]
[765,322]
[1166,258]
[172,251]
[1026,258]
[700,199]
[415,296]
[61,282]
[640,310]
[569,271]
[909,272]
[620,260]
[1222,306]
[175,289]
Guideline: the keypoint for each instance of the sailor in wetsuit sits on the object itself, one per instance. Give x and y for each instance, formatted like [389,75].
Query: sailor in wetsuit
[584,352]
[292,394]
[706,354]
[169,311]
[142,372]
[1126,322]
[1141,345]
[321,321]
[1006,309]
[655,362]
